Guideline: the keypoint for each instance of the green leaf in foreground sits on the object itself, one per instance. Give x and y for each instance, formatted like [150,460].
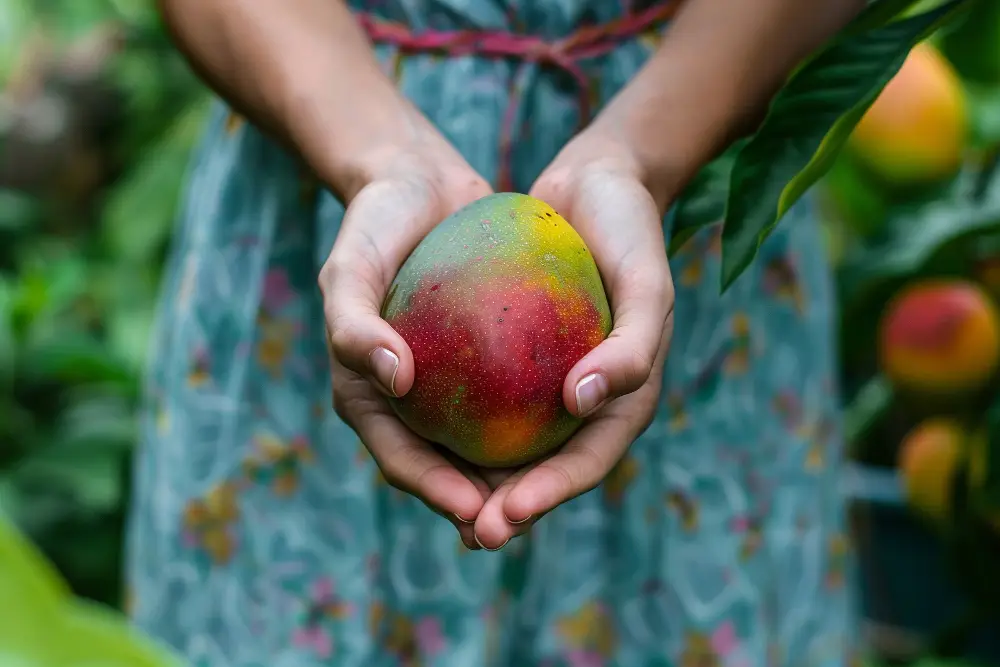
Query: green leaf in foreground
[41,623]
[809,121]
[703,201]
[29,585]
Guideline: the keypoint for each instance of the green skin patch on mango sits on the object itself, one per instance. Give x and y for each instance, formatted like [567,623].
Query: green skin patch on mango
[497,304]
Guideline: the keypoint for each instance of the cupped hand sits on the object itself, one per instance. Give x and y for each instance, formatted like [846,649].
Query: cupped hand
[384,221]
[596,185]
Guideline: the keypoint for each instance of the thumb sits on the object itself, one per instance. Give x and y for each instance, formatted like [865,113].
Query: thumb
[642,302]
[383,223]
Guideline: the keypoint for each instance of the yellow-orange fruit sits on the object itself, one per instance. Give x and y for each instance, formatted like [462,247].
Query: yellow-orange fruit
[928,458]
[940,337]
[916,131]
[497,304]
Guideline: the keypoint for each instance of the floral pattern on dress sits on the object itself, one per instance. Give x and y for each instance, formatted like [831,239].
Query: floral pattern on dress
[263,535]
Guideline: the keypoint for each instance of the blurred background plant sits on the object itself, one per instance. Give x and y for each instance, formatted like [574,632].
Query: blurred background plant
[912,210]
[98,116]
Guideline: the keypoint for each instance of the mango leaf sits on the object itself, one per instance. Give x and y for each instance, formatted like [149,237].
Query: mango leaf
[809,121]
[970,42]
[703,201]
[984,109]
[878,14]
[918,236]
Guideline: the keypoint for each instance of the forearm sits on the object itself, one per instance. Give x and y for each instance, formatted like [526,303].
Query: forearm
[303,71]
[720,63]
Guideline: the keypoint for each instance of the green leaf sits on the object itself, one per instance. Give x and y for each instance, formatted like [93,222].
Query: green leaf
[15,25]
[18,212]
[809,121]
[869,405]
[29,587]
[92,634]
[42,624]
[73,357]
[972,44]
[877,14]
[918,237]
[984,109]
[139,215]
[703,201]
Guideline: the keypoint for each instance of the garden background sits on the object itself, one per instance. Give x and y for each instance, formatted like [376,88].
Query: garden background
[98,115]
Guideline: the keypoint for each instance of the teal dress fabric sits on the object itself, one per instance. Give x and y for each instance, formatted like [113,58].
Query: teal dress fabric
[263,536]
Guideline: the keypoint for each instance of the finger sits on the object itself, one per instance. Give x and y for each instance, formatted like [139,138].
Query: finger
[466,526]
[354,281]
[412,465]
[622,363]
[589,455]
[494,477]
[466,531]
[493,530]
[633,263]
[383,224]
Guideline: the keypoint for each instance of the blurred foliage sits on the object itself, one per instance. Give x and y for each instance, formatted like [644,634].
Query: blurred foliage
[98,115]
[42,623]
[886,241]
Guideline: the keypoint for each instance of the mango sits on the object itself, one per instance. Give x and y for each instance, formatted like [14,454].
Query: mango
[917,130]
[929,457]
[497,303]
[938,338]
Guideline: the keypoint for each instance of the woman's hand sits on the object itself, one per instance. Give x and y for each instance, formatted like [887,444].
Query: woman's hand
[409,193]
[597,186]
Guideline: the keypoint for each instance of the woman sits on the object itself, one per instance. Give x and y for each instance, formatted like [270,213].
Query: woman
[262,533]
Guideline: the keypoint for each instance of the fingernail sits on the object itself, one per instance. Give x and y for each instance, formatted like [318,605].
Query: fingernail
[384,365]
[517,523]
[483,546]
[463,520]
[591,391]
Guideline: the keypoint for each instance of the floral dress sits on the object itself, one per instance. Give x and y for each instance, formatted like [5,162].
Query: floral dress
[263,536]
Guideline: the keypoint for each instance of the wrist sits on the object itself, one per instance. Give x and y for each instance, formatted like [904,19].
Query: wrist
[669,127]
[351,143]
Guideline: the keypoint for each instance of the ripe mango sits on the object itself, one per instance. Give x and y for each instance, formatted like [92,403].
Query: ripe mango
[916,131]
[497,303]
[939,338]
[929,456]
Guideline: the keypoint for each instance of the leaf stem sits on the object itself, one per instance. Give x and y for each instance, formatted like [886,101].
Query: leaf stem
[869,405]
